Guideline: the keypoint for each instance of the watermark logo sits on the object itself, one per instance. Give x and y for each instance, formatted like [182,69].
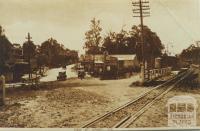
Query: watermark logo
[182,111]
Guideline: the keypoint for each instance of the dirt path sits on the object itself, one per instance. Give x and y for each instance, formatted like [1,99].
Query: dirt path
[66,104]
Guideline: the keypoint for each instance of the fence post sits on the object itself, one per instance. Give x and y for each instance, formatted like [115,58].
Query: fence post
[2,90]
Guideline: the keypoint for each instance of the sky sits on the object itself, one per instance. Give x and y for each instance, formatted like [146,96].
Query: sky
[176,22]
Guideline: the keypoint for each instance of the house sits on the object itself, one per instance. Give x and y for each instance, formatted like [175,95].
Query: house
[121,65]
[87,61]
[170,61]
[110,70]
[98,65]
[126,61]
[110,65]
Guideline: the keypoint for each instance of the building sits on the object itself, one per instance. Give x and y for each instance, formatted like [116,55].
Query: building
[111,66]
[98,65]
[119,66]
[170,61]
[126,61]
[87,61]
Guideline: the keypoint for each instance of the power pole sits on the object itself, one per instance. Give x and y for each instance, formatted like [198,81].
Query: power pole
[29,57]
[49,51]
[141,9]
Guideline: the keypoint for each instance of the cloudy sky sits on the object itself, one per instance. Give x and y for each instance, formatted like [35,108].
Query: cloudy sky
[177,22]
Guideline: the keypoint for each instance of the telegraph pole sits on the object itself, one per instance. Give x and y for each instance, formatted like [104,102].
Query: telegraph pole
[141,9]
[29,57]
[49,51]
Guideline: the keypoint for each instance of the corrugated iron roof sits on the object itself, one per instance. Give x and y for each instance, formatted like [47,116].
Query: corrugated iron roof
[98,62]
[119,57]
[124,57]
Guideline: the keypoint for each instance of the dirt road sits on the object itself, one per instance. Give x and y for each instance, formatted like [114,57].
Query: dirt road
[66,104]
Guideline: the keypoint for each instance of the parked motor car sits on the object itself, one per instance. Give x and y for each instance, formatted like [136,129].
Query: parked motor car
[62,76]
[81,74]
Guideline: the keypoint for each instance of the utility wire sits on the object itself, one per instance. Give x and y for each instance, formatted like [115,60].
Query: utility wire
[176,20]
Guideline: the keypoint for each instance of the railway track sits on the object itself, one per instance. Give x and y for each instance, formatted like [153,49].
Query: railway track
[125,115]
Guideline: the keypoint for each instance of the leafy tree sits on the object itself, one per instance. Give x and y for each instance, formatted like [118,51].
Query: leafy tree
[51,48]
[152,44]
[29,50]
[130,43]
[119,43]
[5,49]
[191,54]
[109,43]
[56,53]
[93,38]
[42,60]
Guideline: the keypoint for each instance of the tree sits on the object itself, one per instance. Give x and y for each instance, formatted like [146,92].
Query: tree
[29,52]
[56,53]
[130,43]
[29,49]
[93,38]
[109,43]
[53,51]
[152,44]
[5,49]
[121,46]
[119,43]
[191,54]
[42,60]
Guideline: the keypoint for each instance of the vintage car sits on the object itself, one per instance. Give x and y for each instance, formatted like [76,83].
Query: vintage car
[81,73]
[62,76]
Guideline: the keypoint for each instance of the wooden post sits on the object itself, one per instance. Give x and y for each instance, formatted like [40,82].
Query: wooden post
[141,10]
[2,90]
[142,73]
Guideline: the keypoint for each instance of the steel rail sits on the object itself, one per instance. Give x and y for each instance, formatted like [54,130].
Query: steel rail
[130,120]
[99,118]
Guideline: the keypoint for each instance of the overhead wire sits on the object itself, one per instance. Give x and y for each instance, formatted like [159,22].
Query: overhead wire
[170,12]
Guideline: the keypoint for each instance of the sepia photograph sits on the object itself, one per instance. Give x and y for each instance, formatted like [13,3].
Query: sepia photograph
[99,65]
